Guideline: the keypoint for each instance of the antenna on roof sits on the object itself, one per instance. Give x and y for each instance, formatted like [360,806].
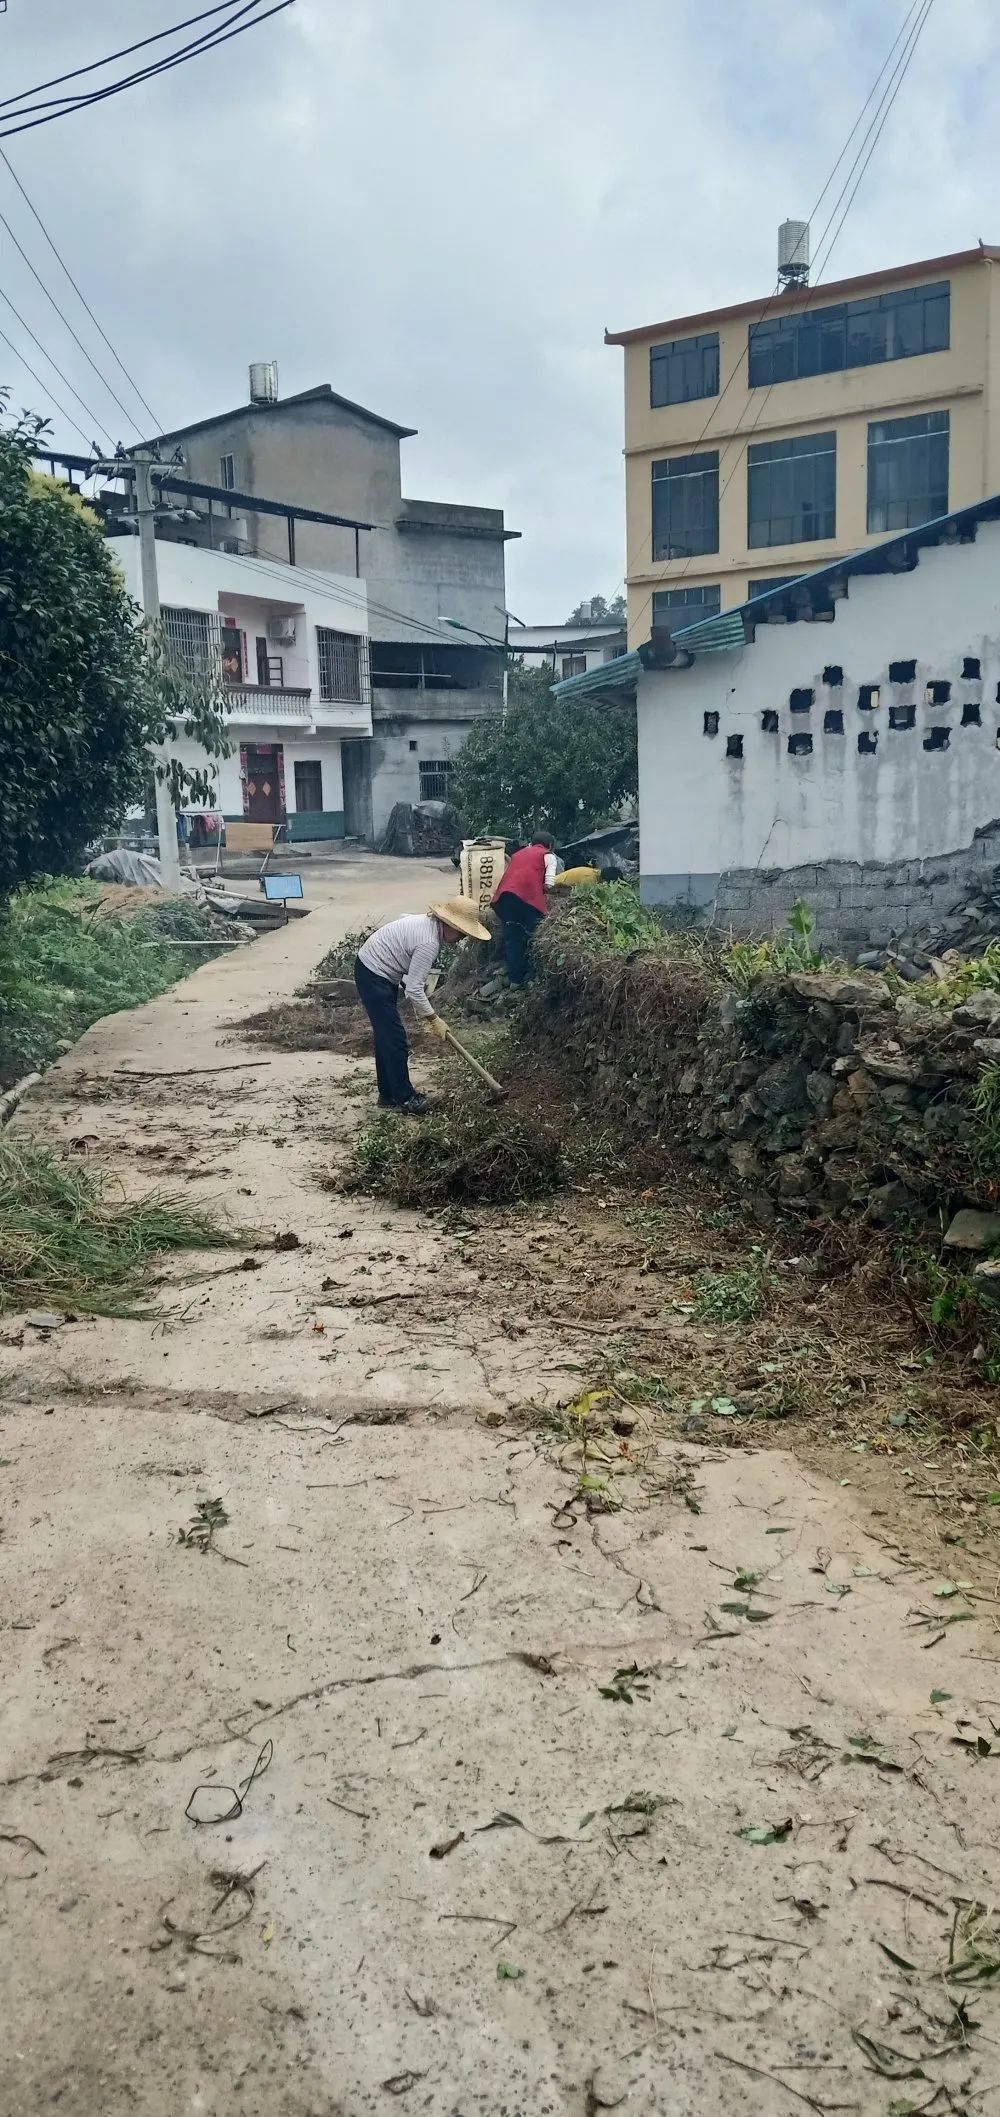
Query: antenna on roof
[793,254]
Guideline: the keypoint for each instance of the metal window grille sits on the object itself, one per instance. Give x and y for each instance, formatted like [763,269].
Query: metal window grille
[344,666]
[193,639]
[435,778]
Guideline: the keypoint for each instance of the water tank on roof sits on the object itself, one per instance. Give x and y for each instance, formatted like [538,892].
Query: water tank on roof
[793,254]
[263,382]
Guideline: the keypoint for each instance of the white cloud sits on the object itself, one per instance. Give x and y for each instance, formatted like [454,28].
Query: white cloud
[437,205]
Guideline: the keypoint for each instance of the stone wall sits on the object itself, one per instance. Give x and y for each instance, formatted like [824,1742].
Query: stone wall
[857,905]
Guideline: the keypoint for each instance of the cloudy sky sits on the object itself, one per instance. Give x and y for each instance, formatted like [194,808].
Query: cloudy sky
[438,205]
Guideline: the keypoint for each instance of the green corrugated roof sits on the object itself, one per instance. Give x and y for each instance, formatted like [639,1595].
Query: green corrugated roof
[619,675]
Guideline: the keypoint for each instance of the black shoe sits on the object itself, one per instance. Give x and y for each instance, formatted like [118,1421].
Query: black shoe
[416,1106]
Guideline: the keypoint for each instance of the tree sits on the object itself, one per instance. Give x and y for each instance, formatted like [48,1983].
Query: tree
[598,612]
[84,692]
[552,764]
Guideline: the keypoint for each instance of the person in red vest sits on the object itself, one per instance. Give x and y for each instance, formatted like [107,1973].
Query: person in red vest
[519,900]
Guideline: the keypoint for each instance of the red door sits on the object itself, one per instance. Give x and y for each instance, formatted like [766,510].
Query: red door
[263,783]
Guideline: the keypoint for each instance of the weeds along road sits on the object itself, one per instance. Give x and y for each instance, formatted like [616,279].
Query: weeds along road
[673,1808]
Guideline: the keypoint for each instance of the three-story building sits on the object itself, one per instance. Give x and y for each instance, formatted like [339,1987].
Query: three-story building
[770,437]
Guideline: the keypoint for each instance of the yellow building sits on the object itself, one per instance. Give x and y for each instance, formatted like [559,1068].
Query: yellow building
[777,435]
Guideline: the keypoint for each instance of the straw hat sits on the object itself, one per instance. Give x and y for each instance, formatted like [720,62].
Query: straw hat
[460,912]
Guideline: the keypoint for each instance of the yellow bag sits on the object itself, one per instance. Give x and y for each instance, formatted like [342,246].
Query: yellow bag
[573,875]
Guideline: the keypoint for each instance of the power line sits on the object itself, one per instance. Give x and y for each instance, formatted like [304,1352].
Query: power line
[768,304]
[77,289]
[95,64]
[45,387]
[46,355]
[50,297]
[60,105]
[151,73]
[879,120]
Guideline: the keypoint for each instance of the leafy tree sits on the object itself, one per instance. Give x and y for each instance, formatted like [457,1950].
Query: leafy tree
[598,612]
[552,764]
[85,693]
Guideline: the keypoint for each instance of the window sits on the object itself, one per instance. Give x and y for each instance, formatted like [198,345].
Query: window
[308,786]
[677,607]
[686,505]
[792,490]
[851,334]
[192,638]
[343,666]
[766,583]
[227,472]
[435,779]
[907,471]
[684,368]
[574,665]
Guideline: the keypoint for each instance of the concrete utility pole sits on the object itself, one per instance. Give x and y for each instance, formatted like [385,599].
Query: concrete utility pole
[145,510]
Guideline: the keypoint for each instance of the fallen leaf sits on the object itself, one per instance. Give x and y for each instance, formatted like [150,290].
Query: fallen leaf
[766,1833]
[508,1970]
[447,1845]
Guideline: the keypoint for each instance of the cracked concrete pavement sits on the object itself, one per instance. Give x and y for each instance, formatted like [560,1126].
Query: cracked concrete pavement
[466,1879]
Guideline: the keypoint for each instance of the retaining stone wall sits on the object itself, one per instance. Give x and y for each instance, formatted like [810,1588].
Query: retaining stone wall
[858,906]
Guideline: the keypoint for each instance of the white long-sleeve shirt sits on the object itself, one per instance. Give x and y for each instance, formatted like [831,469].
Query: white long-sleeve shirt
[405,952]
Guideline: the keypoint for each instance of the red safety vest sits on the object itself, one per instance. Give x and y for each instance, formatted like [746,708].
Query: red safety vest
[524,877]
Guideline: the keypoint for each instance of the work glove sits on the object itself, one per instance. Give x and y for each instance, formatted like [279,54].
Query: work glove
[572,875]
[437,1027]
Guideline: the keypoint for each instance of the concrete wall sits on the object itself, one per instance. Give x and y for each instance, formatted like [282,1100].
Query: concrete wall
[775,822]
[963,380]
[397,750]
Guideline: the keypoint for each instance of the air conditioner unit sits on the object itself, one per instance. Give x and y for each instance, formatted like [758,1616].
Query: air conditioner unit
[281,630]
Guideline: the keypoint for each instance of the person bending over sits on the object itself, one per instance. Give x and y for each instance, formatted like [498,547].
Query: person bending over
[398,958]
[519,901]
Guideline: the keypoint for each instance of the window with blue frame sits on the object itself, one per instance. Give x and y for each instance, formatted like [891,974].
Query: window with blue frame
[684,368]
[907,471]
[850,334]
[792,490]
[686,505]
[677,607]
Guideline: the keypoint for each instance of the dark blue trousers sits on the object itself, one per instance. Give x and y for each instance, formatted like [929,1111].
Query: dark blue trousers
[380,1000]
[519,921]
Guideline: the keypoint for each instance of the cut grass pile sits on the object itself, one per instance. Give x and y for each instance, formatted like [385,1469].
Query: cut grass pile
[64,1246]
[311,1024]
[475,1153]
[69,954]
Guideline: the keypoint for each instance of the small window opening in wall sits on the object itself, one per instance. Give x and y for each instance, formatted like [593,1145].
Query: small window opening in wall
[734,745]
[902,716]
[972,667]
[800,745]
[867,698]
[937,694]
[833,721]
[800,701]
[902,672]
[413,745]
[868,742]
[833,673]
[937,738]
[972,716]
[710,725]
[769,721]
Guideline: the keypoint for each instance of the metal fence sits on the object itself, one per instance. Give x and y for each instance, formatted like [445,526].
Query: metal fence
[344,667]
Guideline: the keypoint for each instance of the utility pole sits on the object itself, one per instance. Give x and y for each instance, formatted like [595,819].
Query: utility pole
[145,510]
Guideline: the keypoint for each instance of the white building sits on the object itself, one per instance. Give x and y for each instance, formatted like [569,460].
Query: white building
[295,656]
[836,740]
[568,650]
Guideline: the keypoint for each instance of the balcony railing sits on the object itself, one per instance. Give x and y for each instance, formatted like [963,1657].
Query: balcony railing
[268,702]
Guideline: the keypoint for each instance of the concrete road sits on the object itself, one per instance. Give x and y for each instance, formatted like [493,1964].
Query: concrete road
[481,1868]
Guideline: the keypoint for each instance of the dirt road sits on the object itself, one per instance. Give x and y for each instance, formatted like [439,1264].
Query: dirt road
[673,1809]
